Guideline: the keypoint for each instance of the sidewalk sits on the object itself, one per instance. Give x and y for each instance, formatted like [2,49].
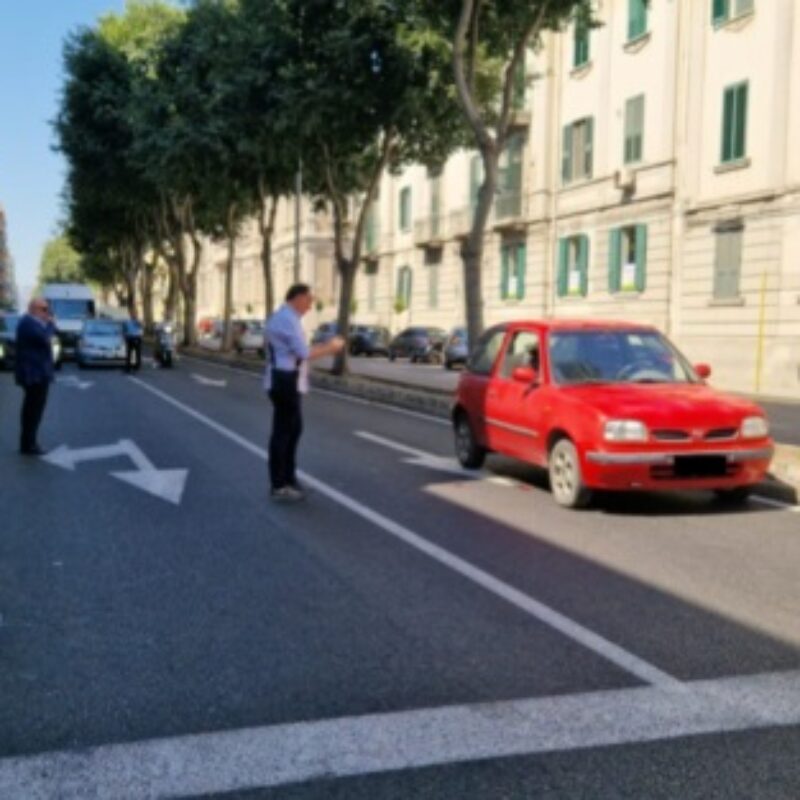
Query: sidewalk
[399,390]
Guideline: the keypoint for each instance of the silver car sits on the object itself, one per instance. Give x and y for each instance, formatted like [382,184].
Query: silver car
[456,348]
[102,341]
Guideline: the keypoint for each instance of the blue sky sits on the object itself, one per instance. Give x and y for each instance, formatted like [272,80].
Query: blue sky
[32,33]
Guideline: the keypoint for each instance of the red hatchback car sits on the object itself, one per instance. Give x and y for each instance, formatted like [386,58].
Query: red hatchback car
[607,406]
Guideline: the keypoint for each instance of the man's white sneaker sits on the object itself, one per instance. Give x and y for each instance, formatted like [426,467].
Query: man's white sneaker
[287,494]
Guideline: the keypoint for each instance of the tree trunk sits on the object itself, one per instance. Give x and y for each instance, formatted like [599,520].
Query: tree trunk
[266,225]
[227,328]
[147,295]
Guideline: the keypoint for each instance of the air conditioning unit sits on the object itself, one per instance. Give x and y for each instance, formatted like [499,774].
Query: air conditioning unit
[625,179]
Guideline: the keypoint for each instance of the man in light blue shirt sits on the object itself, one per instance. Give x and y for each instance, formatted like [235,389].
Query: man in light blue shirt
[285,380]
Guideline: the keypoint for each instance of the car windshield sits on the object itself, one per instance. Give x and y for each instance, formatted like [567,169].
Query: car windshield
[103,329]
[72,309]
[8,324]
[608,356]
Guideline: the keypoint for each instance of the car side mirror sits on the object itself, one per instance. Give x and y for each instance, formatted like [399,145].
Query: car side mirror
[703,371]
[525,375]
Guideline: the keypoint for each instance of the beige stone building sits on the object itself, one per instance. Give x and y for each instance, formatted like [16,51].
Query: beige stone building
[654,176]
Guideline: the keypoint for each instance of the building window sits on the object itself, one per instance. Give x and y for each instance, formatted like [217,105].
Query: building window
[637,19]
[405,208]
[724,10]
[433,286]
[403,293]
[509,179]
[436,205]
[728,261]
[519,86]
[580,51]
[475,180]
[634,129]
[734,123]
[513,258]
[576,161]
[627,261]
[573,266]
[371,271]
[372,230]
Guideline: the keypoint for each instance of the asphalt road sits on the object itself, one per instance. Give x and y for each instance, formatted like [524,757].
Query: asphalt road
[409,631]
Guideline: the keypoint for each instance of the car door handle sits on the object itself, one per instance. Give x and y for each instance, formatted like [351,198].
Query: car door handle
[491,393]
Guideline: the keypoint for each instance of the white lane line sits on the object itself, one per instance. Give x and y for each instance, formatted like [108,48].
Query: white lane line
[768,501]
[254,758]
[630,663]
[347,398]
[420,458]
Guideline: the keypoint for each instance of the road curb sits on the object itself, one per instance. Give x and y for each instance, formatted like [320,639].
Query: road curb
[783,483]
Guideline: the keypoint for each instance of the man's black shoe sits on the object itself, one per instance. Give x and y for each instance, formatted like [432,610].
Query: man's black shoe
[32,451]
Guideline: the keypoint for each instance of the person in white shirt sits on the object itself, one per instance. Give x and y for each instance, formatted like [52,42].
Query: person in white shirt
[286,380]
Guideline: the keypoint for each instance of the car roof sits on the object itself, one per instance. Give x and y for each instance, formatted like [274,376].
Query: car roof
[579,325]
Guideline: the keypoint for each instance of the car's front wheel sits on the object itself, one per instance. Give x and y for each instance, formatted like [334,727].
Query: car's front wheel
[469,452]
[566,482]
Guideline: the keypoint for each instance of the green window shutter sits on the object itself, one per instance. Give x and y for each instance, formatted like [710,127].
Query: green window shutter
[518,93]
[637,18]
[504,272]
[522,258]
[588,148]
[580,51]
[641,258]
[583,263]
[563,277]
[566,155]
[740,122]
[475,180]
[614,260]
[634,129]
[727,125]
[719,11]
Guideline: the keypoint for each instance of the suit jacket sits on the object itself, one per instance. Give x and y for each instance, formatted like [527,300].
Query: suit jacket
[34,356]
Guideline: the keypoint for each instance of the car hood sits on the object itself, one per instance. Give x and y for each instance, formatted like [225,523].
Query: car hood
[666,405]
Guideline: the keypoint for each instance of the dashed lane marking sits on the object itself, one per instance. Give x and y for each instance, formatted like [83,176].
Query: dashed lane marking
[627,661]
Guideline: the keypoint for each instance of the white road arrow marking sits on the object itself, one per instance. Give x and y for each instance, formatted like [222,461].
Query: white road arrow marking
[75,383]
[168,484]
[209,381]
[420,458]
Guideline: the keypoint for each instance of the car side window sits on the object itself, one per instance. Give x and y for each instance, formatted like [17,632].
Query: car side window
[485,353]
[522,351]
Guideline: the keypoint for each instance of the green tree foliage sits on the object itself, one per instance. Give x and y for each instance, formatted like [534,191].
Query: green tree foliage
[60,263]
[363,94]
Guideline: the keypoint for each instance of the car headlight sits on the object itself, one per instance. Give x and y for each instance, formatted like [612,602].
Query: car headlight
[754,428]
[625,430]
[2,351]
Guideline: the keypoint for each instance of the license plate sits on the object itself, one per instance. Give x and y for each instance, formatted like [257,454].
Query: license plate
[700,466]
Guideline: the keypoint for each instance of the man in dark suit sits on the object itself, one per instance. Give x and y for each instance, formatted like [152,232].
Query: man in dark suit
[34,370]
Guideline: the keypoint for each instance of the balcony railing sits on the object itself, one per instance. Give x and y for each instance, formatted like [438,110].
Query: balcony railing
[429,231]
[508,206]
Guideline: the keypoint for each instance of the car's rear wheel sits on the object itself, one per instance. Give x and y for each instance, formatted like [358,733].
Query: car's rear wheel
[566,481]
[734,497]
[469,452]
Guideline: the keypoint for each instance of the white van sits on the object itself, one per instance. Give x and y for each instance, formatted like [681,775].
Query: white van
[71,304]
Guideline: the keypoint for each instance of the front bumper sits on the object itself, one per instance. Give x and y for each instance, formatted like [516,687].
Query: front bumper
[622,459]
[741,466]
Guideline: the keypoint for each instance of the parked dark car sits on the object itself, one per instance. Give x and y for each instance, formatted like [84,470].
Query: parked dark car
[8,342]
[324,332]
[419,344]
[456,348]
[369,340]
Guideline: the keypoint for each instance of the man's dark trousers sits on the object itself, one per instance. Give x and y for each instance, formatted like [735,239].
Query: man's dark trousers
[133,353]
[32,410]
[287,426]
